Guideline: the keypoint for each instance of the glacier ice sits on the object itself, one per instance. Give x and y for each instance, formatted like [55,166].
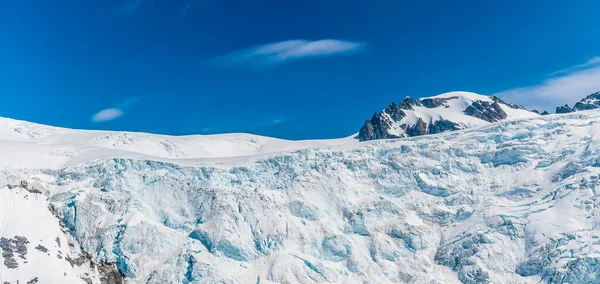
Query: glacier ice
[512,202]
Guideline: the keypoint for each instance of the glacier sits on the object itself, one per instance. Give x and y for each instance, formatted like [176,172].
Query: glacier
[509,202]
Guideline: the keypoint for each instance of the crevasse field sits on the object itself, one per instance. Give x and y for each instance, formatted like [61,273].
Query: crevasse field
[511,202]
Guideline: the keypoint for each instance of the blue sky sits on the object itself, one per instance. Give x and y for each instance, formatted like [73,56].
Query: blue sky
[289,69]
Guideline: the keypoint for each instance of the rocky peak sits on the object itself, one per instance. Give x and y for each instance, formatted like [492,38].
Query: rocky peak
[446,112]
[394,111]
[590,102]
[564,109]
[538,112]
[408,103]
[436,102]
[486,111]
[514,106]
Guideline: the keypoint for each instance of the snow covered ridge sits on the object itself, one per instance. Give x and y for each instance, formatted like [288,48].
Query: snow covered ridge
[26,144]
[590,102]
[445,112]
[510,202]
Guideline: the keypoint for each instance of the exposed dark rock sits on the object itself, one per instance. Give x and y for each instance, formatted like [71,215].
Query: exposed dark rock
[367,131]
[10,247]
[486,111]
[436,102]
[408,103]
[514,106]
[442,125]
[420,128]
[24,185]
[394,111]
[109,274]
[538,112]
[79,261]
[377,127]
[590,102]
[41,248]
[33,281]
[564,109]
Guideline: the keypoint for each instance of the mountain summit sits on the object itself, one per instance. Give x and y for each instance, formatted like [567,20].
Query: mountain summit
[590,102]
[445,112]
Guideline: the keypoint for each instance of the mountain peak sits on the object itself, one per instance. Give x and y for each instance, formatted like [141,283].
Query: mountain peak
[443,112]
[590,102]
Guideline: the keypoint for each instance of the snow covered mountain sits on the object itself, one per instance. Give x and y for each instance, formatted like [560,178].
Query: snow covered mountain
[590,102]
[509,202]
[445,112]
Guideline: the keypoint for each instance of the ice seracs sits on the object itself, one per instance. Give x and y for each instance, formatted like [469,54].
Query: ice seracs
[515,201]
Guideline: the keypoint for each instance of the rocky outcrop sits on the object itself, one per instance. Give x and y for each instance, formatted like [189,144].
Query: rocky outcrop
[11,247]
[375,128]
[486,111]
[408,103]
[590,102]
[420,128]
[538,112]
[436,102]
[514,106]
[427,115]
[404,119]
[564,109]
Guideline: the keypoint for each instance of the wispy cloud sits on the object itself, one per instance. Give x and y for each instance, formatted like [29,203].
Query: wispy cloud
[107,115]
[130,6]
[272,54]
[245,121]
[565,86]
[186,7]
[590,63]
[114,112]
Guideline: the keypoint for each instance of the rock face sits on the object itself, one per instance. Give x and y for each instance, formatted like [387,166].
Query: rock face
[11,248]
[564,109]
[590,102]
[486,111]
[446,112]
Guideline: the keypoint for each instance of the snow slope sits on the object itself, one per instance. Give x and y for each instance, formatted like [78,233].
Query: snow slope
[25,144]
[454,108]
[509,202]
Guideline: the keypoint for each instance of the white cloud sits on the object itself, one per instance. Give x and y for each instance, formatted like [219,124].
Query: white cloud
[272,54]
[114,112]
[278,120]
[566,86]
[590,63]
[107,115]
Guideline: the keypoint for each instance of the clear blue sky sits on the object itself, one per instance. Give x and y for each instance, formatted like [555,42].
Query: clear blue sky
[289,69]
